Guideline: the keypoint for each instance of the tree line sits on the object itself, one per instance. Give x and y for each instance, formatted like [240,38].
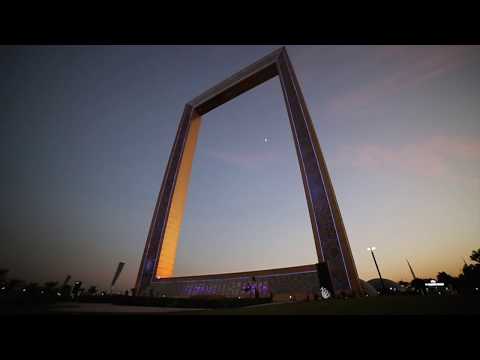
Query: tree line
[467,282]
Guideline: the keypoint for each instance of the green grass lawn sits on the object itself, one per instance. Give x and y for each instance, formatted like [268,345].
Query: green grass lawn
[394,305]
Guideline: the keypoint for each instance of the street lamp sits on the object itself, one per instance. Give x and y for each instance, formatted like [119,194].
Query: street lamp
[371,249]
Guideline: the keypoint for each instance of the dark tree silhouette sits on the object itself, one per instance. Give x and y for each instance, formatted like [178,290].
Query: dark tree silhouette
[92,290]
[32,286]
[445,278]
[51,284]
[14,283]
[50,287]
[418,285]
[32,289]
[475,256]
[470,277]
[3,274]
[66,291]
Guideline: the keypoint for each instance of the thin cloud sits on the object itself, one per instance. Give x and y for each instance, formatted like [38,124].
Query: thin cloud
[433,156]
[410,67]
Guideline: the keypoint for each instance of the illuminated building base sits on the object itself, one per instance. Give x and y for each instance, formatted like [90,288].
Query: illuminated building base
[298,282]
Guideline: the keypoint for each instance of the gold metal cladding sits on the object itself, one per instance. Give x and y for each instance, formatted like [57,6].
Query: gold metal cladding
[168,252]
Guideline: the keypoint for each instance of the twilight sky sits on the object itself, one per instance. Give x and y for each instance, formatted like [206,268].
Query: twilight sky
[85,134]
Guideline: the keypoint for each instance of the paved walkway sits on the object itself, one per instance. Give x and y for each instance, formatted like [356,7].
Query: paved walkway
[112,309]
[267,304]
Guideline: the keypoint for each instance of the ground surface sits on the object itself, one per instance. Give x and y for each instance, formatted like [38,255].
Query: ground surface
[395,305]
[90,308]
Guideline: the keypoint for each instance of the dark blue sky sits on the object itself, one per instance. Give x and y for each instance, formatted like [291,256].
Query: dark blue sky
[86,133]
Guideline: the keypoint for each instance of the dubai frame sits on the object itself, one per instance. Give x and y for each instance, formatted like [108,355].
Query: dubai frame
[332,246]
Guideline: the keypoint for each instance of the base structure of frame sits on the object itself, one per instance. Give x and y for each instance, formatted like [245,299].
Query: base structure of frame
[331,242]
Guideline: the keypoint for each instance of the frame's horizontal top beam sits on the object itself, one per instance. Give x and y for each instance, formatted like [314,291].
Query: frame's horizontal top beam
[244,80]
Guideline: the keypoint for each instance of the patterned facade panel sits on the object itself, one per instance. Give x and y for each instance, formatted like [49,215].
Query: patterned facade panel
[326,231]
[267,285]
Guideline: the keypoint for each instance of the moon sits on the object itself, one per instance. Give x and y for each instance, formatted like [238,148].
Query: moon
[266,139]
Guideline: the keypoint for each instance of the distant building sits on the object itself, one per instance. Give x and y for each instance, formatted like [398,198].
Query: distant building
[390,285]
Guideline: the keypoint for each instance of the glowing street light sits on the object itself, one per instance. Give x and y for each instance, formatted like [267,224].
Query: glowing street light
[371,249]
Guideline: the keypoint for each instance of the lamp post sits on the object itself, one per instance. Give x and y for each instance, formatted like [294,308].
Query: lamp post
[371,249]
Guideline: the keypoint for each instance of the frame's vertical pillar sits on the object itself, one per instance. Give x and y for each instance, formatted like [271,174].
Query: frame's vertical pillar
[171,235]
[149,263]
[329,233]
